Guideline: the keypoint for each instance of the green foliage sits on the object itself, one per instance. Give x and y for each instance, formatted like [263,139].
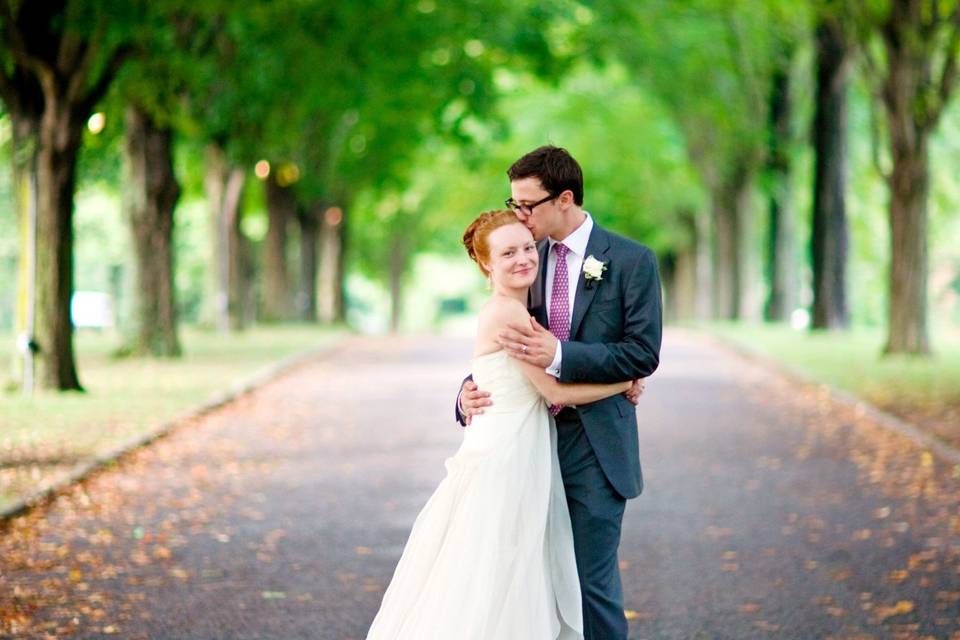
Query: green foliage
[408,113]
[637,178]
[710,61]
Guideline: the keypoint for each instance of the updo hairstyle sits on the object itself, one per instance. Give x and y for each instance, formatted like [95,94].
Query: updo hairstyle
[475,238]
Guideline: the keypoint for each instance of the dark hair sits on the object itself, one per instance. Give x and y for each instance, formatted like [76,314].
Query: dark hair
[476,235]
[556,169]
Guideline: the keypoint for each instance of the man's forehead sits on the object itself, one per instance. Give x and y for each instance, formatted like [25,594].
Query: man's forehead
[527,188]
[530,185]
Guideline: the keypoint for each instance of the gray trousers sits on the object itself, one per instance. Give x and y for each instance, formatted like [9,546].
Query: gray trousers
[596,513]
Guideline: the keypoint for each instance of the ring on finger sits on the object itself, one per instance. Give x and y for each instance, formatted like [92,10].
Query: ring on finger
[523,348]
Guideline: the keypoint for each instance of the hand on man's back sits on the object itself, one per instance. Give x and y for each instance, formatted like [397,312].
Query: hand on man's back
[472,400]
[636,390]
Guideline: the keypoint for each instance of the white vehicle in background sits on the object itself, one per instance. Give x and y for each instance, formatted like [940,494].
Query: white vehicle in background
[92,310]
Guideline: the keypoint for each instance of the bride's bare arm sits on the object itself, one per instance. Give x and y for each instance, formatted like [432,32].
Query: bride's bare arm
[498,315]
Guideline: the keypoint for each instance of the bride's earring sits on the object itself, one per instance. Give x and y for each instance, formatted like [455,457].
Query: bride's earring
[489,282]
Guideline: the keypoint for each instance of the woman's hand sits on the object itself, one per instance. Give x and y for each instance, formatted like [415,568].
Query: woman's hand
[636,390]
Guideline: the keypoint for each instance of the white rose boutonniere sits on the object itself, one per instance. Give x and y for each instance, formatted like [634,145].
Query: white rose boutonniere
[593,270]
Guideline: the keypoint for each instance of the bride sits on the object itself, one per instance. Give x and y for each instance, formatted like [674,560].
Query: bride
[490,556]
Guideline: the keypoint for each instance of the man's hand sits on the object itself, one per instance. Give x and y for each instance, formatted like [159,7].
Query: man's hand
[636,390]
[530,343]
[472,400]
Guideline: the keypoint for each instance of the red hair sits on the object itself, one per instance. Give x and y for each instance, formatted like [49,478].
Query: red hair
[475,238]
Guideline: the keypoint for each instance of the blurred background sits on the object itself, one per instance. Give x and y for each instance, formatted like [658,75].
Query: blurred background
[211,185]
[200,194]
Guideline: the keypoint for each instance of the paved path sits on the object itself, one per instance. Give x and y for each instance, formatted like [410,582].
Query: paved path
[768,512]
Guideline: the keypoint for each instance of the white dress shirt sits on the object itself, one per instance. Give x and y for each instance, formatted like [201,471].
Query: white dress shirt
[576,242]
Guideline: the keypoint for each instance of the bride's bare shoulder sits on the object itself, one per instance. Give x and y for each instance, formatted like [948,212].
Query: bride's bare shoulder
[501,310]
[496,314]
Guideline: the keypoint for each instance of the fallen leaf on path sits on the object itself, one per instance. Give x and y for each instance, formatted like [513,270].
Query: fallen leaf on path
[902,607]
[763,625]
[898,576]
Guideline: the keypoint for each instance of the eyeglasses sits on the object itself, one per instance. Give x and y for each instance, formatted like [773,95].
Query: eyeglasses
[526,209]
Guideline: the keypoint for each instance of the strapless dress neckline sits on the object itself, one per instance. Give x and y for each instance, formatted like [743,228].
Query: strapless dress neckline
[487,355]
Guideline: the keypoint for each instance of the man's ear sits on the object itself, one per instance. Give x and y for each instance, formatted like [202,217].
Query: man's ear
[565,198]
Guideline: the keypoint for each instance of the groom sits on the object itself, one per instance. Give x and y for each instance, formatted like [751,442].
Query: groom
[598,294]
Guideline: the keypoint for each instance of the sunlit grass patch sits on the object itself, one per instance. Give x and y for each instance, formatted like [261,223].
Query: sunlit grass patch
[125,398]
[923,390]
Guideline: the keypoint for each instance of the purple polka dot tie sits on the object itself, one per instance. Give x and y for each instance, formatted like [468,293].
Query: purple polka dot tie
[559,312]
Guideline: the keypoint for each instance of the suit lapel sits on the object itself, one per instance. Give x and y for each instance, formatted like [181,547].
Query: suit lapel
[538,290]
[597,246]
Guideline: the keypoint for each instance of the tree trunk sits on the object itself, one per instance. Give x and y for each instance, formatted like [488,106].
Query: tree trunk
[236,275]
[909,191]
[24,176]
[59,142]
[729,204]
[213,312]
[829,234]
[723,272]
[781,238]
[224,186]
[669,272]
[705,294]
[281,209]
[63,88]
[151,196]
[330,301]
[308,218]
[691,280]
[398,268]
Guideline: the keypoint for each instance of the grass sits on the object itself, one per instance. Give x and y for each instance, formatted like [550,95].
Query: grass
[925,391]
[48,434]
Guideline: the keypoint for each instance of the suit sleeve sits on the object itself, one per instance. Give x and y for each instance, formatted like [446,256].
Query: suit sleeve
[637,354]
[462,419]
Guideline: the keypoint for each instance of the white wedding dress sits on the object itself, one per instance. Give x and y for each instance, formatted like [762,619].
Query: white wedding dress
[490,556]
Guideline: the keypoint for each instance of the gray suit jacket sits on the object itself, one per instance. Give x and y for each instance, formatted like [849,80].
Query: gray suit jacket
[615,335]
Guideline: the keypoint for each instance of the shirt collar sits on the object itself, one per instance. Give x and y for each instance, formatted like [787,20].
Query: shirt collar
[577,241]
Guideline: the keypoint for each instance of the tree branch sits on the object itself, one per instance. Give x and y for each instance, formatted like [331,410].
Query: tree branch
[748,72]
[71,49]
[7,91]
[18,47]
[113,66]
[80,74]
[928,28]
[874,74]
[875,143]
[948,74]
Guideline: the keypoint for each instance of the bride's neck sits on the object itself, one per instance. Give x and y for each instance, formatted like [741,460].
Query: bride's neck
[516,294]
